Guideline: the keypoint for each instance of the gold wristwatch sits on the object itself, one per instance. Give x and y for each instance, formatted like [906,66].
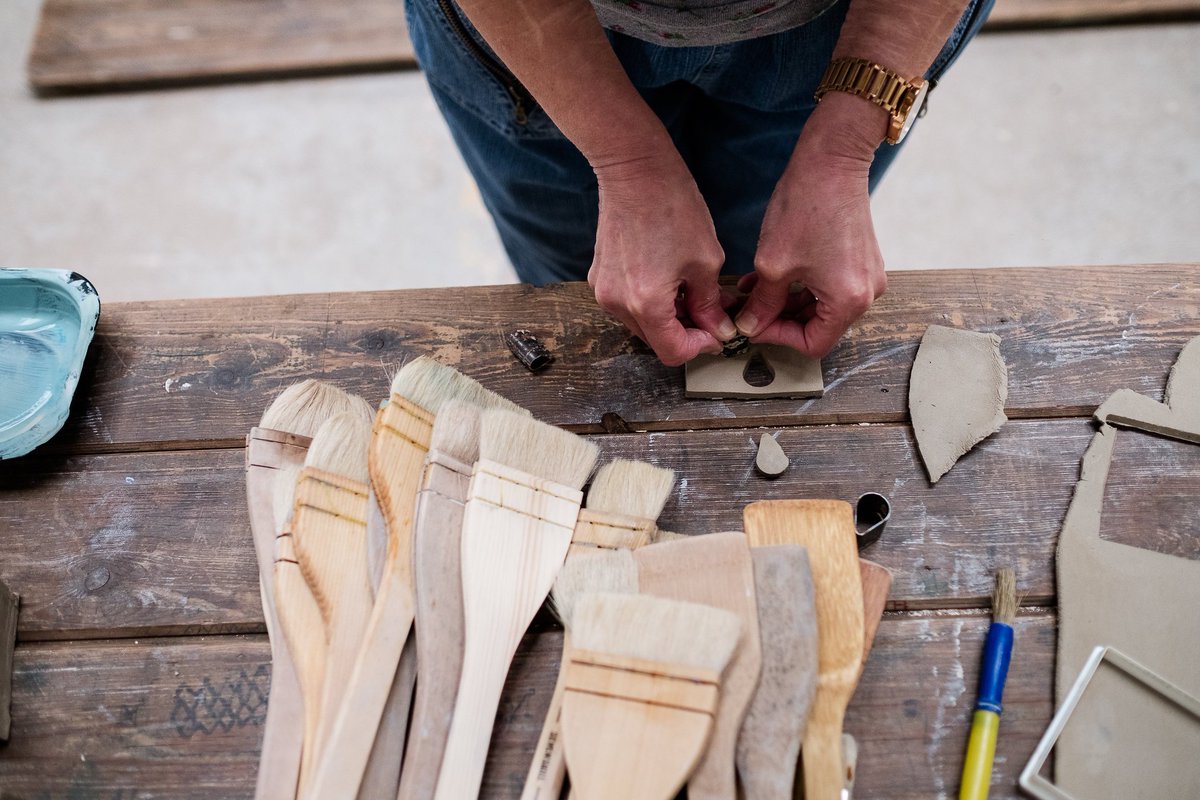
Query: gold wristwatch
[902,98]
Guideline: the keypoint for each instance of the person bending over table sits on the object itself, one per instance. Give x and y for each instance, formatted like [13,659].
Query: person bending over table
[650,145]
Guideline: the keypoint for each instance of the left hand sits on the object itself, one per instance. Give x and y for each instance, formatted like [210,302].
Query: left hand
[817,232]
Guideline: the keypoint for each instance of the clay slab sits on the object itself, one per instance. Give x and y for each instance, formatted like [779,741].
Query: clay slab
[717,377]
[956,394]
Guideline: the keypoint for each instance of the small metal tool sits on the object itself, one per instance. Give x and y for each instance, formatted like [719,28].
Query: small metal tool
[528,350]
[871,514]
[735,346]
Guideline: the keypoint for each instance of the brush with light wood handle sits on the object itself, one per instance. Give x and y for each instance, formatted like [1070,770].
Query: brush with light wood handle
[281,441]
[437,571]
[329,533]
[517,526]
[768,746]
[826,529]
[876,585]
[623,503]
[644,682]
[715,569]
[398,448]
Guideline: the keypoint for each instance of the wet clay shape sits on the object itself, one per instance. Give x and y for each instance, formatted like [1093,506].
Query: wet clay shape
[1141,602]
[762,371]
[771,461]
[956,394]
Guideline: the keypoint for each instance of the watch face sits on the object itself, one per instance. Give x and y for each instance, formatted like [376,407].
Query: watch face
[914,110]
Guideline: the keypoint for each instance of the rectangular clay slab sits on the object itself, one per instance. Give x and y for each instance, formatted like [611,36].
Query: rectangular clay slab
[718,377]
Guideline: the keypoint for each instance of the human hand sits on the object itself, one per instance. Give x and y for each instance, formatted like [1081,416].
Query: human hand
[817,232]
[657,258]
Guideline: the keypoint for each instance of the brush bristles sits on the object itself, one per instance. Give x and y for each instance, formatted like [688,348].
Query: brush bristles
[633,488]
[666,536]
[1004,597]
[456,431]
[284,497]
[303,407]
[340,446]
[599,571]
[534,447]
[430,385]
[652,628]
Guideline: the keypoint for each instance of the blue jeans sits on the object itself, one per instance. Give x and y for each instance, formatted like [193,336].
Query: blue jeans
[734,111]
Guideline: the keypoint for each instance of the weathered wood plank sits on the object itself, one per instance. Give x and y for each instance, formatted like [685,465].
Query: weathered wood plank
[191,373]
[133,544]
[108,44]
[182,718]
[1035,14]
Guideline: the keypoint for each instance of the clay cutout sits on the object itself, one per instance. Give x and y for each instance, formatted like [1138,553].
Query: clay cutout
[771,460]
[718,377]
[1138,601]
[956,394]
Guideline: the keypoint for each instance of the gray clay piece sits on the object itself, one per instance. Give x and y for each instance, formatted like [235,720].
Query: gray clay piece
[956,394]
[771,460]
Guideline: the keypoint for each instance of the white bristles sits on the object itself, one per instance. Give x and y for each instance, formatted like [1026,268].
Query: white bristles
[633,488]
[655,629]
[456,431]
[592,571]
[666,536]
[284,497]
[534,447]
[430,385]
[340,446]
[303,406]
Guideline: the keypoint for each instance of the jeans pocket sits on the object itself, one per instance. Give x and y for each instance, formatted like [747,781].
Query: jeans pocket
[457,60]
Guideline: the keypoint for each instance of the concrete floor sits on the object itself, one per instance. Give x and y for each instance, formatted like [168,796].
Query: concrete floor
[1040,149]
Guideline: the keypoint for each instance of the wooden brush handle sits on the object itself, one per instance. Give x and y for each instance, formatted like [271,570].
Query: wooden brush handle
[344,753]
[549,766]
[396,458]
[437,547]
[382,775]
[822,759]
[611,531]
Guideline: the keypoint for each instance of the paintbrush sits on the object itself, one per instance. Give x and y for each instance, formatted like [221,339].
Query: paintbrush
[623,503]
[985,725]
[280,441]
[329,533]
[437,571]
[644,682]
[768,746]
[399,444]
[517,526]
[826,529]
[715,569]
[876,584]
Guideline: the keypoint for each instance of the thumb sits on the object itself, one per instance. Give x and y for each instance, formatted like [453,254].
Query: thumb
[763,306]
[706,309]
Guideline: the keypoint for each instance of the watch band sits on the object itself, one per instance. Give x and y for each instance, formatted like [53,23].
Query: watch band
[878,84]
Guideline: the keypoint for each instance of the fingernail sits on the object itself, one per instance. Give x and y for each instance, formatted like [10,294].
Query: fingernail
[727,330]
[747,323]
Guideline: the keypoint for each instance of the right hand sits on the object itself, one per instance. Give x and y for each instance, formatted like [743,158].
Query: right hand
[656,245]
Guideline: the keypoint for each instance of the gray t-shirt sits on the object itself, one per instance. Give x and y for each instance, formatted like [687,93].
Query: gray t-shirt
[689,23]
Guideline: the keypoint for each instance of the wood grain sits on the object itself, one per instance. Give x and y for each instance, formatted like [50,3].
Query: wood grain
[181,717]
[109,44]
[9,605]
[134,544]
[1034,14]
[1069,336]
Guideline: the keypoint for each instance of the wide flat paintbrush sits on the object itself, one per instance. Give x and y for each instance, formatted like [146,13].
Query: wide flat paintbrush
[826,529]
[524,502]
[399,444]
[623,503]
[644,682]
[768,746]
[280,441]
[329,531]
[715,569]
[437,571]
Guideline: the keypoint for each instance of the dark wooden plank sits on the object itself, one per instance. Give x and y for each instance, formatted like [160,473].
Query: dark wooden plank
[1152,497]
[200,372]
[182,718]
[1034,14]
[107,44]
[9,604]
[132,544]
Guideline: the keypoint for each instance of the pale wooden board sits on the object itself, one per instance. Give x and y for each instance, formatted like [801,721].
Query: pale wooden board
[181,717]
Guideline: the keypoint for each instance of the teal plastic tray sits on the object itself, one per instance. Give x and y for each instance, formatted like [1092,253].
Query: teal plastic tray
[47,318]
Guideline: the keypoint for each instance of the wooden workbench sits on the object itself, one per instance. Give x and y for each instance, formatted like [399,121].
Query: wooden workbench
[142,667]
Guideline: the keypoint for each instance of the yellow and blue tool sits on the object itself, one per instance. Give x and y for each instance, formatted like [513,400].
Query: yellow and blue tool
[985,725]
